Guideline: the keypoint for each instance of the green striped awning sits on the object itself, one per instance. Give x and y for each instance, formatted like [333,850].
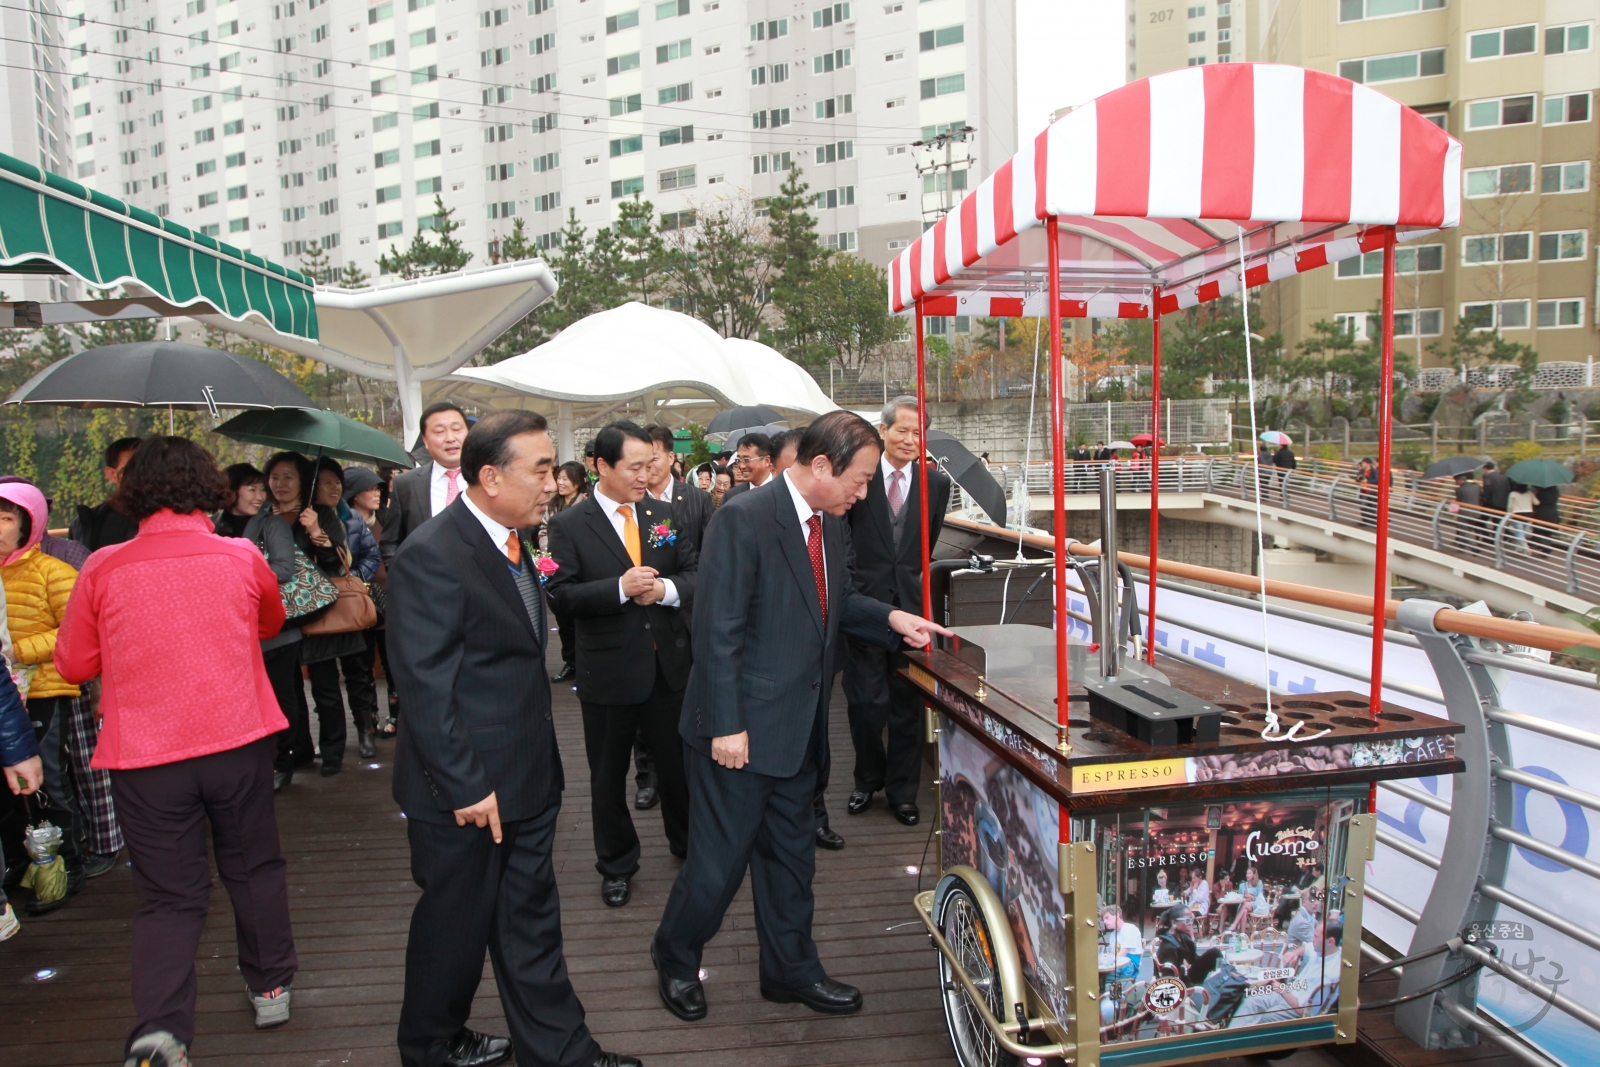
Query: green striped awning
[50,224]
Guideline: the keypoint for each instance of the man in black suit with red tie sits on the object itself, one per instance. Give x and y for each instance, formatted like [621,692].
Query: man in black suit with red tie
[885,530]
[767,627]
[626,578]
[477,774]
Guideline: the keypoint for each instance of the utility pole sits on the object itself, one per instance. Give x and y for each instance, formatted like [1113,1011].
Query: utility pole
[947,141]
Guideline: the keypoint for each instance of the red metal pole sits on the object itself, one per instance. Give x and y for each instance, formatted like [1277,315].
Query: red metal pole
[1380,559]
[1058,462]
[922,463]
[1155,471]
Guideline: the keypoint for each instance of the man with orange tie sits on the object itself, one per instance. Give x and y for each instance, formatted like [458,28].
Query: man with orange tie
[626,579]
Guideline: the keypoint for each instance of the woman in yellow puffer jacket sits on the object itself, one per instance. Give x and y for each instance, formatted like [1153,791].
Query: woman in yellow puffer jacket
[37,588]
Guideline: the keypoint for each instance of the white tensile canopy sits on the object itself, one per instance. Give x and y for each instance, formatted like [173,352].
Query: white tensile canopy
[642,362]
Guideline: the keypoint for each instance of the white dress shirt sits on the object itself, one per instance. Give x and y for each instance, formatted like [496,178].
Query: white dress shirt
[609,506]
[805,511]
[497,533]
[665,496]
[439,488]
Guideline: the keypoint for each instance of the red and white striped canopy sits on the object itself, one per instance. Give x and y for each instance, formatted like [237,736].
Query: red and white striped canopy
[1155,183]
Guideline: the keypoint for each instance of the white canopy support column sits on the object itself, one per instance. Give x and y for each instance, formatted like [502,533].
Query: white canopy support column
[566,444]
[411,332]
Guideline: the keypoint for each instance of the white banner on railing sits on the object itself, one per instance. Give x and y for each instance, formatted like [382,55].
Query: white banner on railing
[1533,948]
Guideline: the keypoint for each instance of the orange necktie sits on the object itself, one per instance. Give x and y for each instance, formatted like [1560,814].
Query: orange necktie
[514,549]
[630,534]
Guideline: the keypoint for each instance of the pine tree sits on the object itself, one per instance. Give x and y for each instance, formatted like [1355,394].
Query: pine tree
[642,253]
[314,264]
[423,257]
[796,257]
[353,277]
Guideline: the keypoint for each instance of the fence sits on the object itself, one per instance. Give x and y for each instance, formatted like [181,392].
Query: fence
[1183,422]
[1579,436]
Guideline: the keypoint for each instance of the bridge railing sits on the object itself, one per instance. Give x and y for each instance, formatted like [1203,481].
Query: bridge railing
[1563,555]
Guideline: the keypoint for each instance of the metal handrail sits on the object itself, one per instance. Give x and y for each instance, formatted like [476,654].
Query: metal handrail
[1524,1052]
[1553,852]
[1548,994]
[1392,904]
[1545,785]
[1417,796]
[1543,726]
[1534,911]
[1427,859]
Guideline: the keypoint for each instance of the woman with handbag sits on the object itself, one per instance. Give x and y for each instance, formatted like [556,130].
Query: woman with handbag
[248,516]
[363,493]
[318,535]
[349,651]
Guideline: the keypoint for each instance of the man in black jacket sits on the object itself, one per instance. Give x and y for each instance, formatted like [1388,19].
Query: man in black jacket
[97,527]
[885,530]
[768,620]
[691,505]
[1496,488]
[477,773]
[625,576]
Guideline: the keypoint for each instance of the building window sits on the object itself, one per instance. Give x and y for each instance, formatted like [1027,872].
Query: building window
[1418,259]
[1557,314]
[388,157]
[950,83]
[670,9]
[202,168]
[678,220]
[677,178]
[666,53]
[1507,111]
[424,149]
[1487,315]
[828,62]
[1510,41]
[388,193]
[677,135]
[625,21]
[673,94]
[627,187]
[1355,10]
[1423,322]
[835,151]
[1564,244]
[389,229]
[626,146]
[1562,109]
[1573,38]
[928,40]
[1490,181]
[843,196]
[1197,37]
[843,241]
[429,186]
[207,199]
[1398,67]
[618,64]
[1564,177]
[238,225]
[827,16]
[238,192]
[1497,248]
[774,117]
[769,30]
[623,105]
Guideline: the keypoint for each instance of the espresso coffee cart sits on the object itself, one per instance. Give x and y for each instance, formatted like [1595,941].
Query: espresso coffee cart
[1076,789]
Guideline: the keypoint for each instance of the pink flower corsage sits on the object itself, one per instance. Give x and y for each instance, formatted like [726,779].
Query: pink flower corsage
[544,565]
[662,534]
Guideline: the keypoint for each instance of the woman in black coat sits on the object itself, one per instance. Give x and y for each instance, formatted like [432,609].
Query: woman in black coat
[1546,508]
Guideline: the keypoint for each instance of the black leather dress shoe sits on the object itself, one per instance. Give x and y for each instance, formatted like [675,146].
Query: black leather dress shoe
[281,779]
[472,1049]
[686,1000]
[366,747]
[858,802]
[827,996]
[826,838]
[616,891]
[330,769]
[646,798]
[907,814]
[616,1059]
[567,673]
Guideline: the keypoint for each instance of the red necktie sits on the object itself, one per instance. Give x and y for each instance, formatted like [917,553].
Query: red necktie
[897,495]
[814,549]
[452,487]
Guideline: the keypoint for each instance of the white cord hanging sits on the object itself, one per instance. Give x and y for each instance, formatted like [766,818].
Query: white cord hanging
[1273,730]
[1027,443]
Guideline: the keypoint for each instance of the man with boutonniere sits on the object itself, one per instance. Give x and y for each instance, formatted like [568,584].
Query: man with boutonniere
[626,578]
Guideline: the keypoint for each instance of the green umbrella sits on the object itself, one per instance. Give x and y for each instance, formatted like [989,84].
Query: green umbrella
[1539,473]
[317,433]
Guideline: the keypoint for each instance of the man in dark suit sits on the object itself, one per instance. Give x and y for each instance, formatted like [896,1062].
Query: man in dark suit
[477,774]
[1496,487]
[754,459]
[691,505]
[767,625]
[885,530]
[424,491]
[626,578]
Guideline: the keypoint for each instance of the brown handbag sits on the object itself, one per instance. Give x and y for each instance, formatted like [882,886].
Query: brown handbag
[353,611]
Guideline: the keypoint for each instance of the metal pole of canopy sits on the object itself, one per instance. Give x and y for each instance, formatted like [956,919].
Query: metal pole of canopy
[1155,470]
[922,463]
[1380,558]
[922,469]
[1058,459]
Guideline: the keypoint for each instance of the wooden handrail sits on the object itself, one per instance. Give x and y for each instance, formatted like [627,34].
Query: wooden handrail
[1530,634]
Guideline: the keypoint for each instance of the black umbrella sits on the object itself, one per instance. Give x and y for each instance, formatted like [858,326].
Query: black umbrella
[160,374]
[969,473]
[731,438]
[1451,466]
[737,418]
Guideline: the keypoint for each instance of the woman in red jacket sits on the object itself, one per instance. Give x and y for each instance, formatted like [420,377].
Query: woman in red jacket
[172,622]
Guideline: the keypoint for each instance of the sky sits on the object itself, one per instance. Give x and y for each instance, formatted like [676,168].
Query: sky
[1068,52]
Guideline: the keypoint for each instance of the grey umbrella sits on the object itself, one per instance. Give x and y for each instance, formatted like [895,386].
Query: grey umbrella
[968,471]
[160,374]
[756,415]
[1451,466]
[731,438]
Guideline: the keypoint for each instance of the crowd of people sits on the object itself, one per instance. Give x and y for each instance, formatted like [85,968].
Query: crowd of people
[293,587]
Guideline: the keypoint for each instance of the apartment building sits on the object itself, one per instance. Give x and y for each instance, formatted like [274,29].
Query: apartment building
[35,124]
[1514,80]
[279,127]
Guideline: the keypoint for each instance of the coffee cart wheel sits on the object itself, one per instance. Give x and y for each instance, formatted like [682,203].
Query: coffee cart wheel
[973,922]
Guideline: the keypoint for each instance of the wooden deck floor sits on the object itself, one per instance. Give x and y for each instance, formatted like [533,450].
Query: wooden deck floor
[351,895]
